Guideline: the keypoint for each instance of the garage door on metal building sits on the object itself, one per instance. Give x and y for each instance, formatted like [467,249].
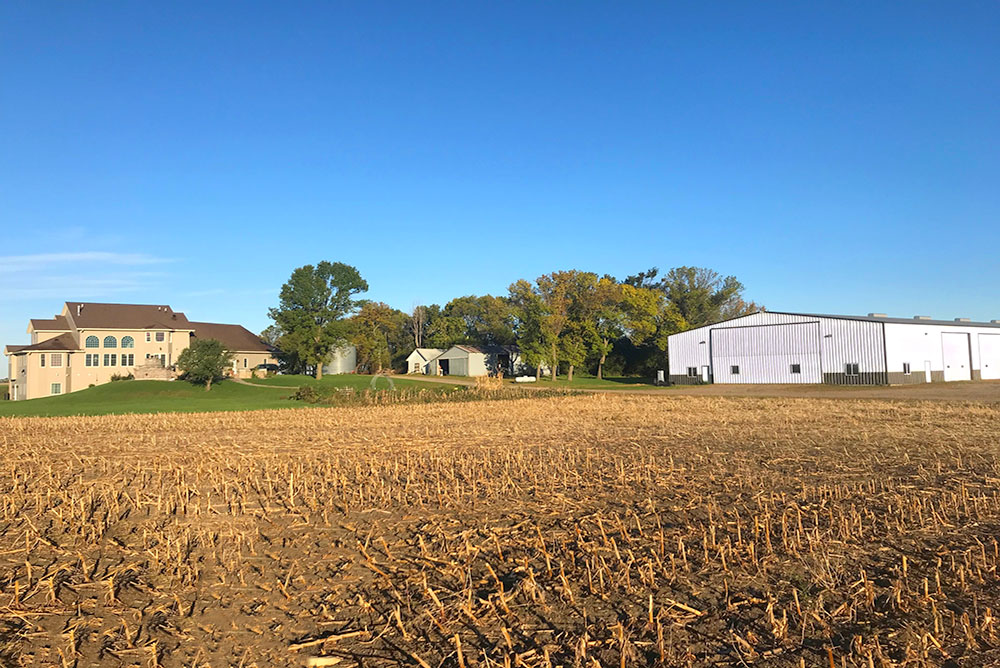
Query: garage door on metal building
[786,353]
[989,356]
[957,361]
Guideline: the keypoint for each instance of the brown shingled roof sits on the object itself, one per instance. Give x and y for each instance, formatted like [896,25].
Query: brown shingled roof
[234,337]
[89,315]
[58,324]
[61,342]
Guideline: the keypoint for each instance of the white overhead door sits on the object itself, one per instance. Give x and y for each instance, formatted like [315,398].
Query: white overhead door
[955,346]
[989,356]
[767,354]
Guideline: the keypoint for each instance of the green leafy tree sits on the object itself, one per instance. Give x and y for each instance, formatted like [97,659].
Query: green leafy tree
[573,349]
[381,335]
[204,360]
[528,310]
[702,296]
[312,309]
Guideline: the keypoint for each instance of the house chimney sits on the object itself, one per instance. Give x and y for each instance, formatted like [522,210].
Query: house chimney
[921,317]
[877,315]
[79,307]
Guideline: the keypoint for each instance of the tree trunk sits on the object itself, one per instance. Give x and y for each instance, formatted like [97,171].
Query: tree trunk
[538,371]
[600,365]
[569,378]
[555,362]
[319,370]
[208,384]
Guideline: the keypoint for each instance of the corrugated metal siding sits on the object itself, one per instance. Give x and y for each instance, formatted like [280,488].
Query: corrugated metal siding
[767,353]
[841,342]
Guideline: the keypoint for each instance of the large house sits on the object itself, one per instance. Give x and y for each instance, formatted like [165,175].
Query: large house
[89,343]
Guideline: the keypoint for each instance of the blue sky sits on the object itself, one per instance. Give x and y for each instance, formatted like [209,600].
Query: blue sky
[835,157]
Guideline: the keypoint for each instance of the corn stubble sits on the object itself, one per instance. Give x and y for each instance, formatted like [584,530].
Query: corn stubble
[573,531]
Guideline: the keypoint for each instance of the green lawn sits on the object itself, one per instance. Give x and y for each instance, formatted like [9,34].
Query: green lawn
[586,382]
[154,396]
[351,380]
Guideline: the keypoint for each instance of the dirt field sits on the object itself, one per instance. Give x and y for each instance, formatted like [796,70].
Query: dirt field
[605,530]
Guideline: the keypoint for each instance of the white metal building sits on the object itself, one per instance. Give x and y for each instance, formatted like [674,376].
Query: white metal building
[773,347]
[419,360]
[465,360]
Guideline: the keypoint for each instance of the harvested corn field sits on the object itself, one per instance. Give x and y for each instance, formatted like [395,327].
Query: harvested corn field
[569,531]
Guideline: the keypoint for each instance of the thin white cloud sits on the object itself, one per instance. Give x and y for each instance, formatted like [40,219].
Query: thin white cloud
[37,261]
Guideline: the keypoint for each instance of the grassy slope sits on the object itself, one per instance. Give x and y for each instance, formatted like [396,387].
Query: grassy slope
[585,382]
[355,381]
[150,396]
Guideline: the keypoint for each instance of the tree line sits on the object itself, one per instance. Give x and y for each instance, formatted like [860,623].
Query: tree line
[564,321]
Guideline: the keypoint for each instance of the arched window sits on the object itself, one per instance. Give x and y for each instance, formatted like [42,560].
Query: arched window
[128,342]
[110,342]
[93,342]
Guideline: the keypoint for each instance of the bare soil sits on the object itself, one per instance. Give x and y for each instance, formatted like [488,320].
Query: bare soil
[599,530]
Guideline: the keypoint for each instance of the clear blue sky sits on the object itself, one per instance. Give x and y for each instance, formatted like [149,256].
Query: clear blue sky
[835,157]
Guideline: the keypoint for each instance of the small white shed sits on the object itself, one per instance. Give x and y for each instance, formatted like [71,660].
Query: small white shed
[419,360]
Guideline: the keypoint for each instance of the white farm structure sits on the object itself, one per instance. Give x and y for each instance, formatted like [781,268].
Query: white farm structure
[773,347]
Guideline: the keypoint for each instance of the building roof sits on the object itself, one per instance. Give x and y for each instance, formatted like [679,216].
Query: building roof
[56,324]
[90,315]
[899,321]
[866,318]
[488,350]
[427,353]
[59,343]
[235,337]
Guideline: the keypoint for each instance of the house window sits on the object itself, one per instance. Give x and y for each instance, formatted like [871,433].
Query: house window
[41,359]
[110,342]
[735,370]
[851,369]
[149,337]
[93,342]
[128,342]
[906,368]
[128,360]
[159,337]
[796,368]
[244,362]
[110,359]
[692,372]
[56,388]
[56,359]
[91,359]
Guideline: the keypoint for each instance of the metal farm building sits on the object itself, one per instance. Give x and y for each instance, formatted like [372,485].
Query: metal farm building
[772,347]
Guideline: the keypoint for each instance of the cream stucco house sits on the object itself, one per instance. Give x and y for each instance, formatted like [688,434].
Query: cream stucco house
[88,343]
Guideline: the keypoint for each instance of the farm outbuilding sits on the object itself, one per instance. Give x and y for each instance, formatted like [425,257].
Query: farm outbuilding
[342,360]
[419,360]
[774,347]
[465,360]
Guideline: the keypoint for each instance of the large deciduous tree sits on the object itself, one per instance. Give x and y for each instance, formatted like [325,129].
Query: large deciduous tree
[381,336]
[701,296]
[204,360]
[312,309]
